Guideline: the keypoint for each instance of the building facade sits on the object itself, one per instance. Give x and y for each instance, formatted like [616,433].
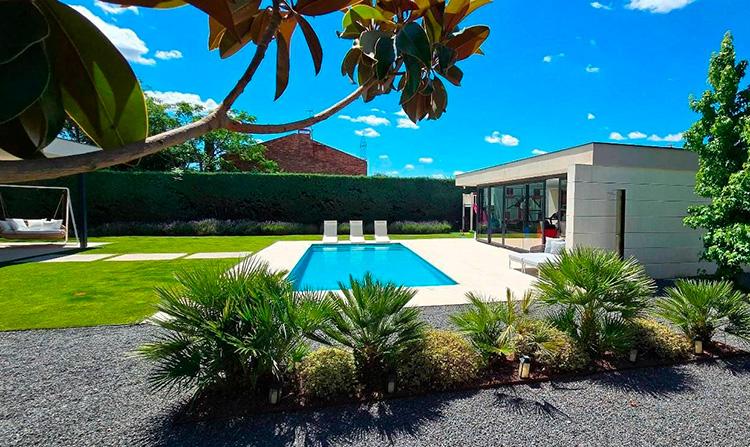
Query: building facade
[625,198]
[298,152]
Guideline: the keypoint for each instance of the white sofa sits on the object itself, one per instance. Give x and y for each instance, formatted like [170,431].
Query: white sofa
[15,228]
[552,248]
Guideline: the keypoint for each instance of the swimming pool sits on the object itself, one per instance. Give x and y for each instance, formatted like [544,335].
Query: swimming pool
[323,266]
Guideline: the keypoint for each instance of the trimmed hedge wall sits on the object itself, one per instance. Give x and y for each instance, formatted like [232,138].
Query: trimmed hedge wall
[301,198]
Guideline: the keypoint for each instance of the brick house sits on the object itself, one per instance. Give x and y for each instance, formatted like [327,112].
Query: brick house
[298,152]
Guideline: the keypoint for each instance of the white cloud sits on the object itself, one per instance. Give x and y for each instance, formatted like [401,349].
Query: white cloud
[368,132]
[598,5]
[109,8]
[392,173]
[409,167]
[672,138]
[637,135]
[437,176]
[166,55]
[455,173]
[658,6]
[377,111]
[406,123]
[400,113]
[370,120]
[174,98]
[125,39]
[547,59]
[591,69]
[538,152]
[505,140]
[617,136]
[426,160]
[591,116]
[383,157]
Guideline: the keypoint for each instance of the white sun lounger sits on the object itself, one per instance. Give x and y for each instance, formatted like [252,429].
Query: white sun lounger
[381,231]
[356,232]
[330,232]
[530,259]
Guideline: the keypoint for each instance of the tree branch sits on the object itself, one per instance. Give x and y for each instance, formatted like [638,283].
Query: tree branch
[237,126]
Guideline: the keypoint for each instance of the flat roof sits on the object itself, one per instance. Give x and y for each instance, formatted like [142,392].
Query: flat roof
[594,153]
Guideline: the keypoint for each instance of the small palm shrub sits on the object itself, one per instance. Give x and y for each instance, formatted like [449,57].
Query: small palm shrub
[491,325]
[371,318]
[327,373]
[700,307]
[549,347]
[443,360]
[595,295]
[230,329]
[660,340]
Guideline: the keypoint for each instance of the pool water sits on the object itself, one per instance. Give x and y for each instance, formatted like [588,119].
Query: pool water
[323,266]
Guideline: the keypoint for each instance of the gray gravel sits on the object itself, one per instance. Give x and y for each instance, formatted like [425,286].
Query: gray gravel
[76,387]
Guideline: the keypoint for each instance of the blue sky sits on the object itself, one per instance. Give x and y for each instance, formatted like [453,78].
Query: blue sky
[555,74]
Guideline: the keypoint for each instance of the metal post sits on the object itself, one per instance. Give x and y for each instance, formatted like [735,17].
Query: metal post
[620,223]
[83,236]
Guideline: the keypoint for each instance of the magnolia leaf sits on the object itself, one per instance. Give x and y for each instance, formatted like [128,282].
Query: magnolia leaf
[455,11]
[476,4]
[322,7]
[369,39]
[45,118]
[446,56]
[362,12]
[21,26]
[413,77]
[15,141]
[350,62]
[218,9]
[385,54]
[260,23]
[433,23]
[439,99]
[454,75]
[468,41]
[215,32]
[283,37]
[413,41]
[316,51]
[22,81]
[365,72]
[99,90]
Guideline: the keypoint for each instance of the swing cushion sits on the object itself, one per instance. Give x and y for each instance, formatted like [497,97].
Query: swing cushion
[5,227]
[17,224]
[52,225]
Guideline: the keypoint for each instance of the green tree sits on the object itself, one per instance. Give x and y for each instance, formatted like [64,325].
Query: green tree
[721,139]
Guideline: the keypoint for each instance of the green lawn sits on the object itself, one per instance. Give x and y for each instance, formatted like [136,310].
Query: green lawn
[48,295]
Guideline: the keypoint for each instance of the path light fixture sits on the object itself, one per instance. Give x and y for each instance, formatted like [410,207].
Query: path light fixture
[524,367]
[390,384]
[633,354]
[698,344]
[274,393]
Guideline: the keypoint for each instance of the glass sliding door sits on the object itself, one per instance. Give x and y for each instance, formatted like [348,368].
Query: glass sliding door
[483,206]
[496,215]
[514,215]
[532,235]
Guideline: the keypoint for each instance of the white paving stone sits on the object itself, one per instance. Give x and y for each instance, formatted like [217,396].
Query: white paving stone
[220,255]
[147,257]
[473,265]
[78,257]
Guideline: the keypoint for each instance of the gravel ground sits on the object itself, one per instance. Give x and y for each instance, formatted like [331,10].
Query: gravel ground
[76,387]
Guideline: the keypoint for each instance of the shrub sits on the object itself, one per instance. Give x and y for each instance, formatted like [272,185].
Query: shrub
[660,340]
[549,347]
[205,227]
[700,307]
[222,328]
[428,227]
[327,372]
[371,318]
[490,325]
[443,360]
[596,294]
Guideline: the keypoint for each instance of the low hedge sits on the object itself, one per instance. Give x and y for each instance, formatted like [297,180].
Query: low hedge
[444,360]
[215,227]
[549,347]
[660,340]
[327,373]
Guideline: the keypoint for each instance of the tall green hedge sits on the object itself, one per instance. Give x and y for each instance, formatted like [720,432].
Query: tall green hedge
[301,198]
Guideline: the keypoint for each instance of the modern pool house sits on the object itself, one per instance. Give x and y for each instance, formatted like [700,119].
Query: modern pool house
[627,198]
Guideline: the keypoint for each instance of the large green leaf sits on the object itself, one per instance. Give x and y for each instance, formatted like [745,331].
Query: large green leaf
[468,41]
[22,81]
[316,50]
[98,88]
[413,41]
[455,11]
[45,118]
[283,37]
[21,26]
[15,141]
[385,53]
[413,77]
[362,12]
[349,64]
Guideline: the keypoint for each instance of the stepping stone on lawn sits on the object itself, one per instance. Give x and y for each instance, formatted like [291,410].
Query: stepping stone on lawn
[147,257]
[220,255]
[79,257]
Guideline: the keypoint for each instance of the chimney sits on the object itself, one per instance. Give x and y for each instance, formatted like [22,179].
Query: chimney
[305,131]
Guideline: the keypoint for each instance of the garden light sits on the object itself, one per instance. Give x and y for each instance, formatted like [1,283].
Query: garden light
[524,367]
[391,383]
[274,394]
[633,354]
[698,344]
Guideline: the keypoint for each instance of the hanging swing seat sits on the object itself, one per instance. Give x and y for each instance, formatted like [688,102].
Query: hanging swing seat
[32,229]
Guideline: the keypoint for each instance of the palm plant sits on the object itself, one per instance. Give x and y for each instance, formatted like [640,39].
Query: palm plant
[491,325]
[230,329]
[700,307]
[596,294]
[371,318]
